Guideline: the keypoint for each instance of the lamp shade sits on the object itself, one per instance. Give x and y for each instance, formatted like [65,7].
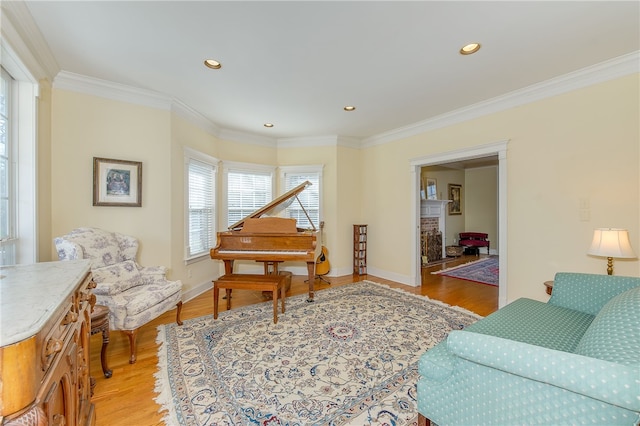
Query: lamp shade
[611,242]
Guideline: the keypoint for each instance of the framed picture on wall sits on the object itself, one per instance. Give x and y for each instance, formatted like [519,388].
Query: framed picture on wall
[432,193]
[455,196]
[117,183]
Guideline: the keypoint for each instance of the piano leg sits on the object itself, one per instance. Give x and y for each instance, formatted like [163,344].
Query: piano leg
[228,270]
[311,271]
[228,267]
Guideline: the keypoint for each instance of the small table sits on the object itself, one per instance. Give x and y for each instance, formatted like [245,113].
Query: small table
[100,324]
[549,287]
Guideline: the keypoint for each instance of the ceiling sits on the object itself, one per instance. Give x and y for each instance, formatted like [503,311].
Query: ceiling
[297,64]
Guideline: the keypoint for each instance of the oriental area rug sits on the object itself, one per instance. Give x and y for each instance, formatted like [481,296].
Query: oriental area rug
[349,357]
[485,271]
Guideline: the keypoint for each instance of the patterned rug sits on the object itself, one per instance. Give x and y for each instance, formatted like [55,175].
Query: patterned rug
[348,358]
[485,271]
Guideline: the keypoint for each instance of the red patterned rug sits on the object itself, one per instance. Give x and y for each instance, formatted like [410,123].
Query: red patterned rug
[485,271]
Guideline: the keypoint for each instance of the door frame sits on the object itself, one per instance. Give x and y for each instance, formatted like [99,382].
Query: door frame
[496,148]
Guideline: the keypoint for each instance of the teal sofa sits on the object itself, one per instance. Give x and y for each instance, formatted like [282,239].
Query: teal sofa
[572,360]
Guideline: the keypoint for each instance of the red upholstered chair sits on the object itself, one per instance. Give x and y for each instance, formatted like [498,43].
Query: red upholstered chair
[474,240]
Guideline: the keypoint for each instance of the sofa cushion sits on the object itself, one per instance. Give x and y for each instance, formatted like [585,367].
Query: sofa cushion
[537,323]
[114,279]
[614,334]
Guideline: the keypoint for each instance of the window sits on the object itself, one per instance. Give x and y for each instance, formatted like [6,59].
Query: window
[7,181]
[309,198]
[201,206]
[19,181]
[249,187]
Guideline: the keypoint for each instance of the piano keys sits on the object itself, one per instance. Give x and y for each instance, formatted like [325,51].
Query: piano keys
[269,239]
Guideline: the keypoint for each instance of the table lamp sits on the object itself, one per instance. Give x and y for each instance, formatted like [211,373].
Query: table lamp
[610,243]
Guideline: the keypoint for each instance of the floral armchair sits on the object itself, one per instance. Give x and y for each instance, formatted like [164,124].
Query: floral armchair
[134,294]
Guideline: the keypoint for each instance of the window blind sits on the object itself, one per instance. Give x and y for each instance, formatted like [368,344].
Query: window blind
[201,208]
[309,198]
[247,191]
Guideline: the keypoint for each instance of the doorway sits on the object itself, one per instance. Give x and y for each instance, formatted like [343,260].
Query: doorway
[497,151]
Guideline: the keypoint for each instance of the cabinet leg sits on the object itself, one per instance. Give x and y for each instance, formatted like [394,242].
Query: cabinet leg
[103,353]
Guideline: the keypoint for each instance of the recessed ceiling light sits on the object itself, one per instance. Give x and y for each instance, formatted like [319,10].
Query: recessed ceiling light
[213,64]
[268,124]
[349,108]
[470,48]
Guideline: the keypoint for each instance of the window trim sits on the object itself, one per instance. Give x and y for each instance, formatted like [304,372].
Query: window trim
[189,154]
[25,94]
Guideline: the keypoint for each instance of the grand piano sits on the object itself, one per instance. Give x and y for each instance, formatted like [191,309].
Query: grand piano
[264,237]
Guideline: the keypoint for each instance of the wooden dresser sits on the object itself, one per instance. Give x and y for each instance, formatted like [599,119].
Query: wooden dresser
[44,344]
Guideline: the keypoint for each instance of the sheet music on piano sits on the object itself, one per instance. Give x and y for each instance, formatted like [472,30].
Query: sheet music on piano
[269,238]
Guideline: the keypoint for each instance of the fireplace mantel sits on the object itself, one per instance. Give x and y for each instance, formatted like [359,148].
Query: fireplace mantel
[433,208]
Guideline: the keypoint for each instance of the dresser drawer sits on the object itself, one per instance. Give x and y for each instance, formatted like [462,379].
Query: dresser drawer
[62,326]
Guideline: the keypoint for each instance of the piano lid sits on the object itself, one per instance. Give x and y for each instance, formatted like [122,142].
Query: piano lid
[276,206]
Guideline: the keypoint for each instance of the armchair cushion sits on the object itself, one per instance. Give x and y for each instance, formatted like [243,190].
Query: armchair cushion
[614,334]
[116,278]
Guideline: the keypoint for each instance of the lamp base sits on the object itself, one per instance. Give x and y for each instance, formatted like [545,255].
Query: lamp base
[609,265]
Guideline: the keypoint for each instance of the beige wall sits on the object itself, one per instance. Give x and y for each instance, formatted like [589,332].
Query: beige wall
[579,145]
[184,134]
[198,274]
[340,197]
[481,203]
[43,213]
[86,126]
[348,212]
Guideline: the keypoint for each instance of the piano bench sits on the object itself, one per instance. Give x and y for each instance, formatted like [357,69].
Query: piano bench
[273,283]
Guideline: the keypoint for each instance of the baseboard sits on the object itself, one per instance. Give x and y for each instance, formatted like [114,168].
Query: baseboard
[196,291]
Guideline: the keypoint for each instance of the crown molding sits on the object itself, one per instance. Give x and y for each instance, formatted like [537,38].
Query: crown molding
[604,71]
[20,32]
[115,91]
[327,140]
[608,70]
[183,110]
[480,151]
[349,142]
[245,137]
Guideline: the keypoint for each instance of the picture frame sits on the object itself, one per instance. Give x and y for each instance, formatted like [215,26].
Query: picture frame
[432,193]
[455,196]
[117,183]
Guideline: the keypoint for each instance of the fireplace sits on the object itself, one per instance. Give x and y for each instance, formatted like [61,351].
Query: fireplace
[432,230]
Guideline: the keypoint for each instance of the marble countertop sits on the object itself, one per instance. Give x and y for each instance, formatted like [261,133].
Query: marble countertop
[30,294]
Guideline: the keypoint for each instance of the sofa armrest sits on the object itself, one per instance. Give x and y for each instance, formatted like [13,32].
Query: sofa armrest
[588,293]
[605,381]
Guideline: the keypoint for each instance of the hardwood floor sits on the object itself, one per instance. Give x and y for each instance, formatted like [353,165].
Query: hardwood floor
[127,398]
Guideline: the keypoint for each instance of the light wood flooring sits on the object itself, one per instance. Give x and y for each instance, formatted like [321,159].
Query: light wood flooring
[127,398]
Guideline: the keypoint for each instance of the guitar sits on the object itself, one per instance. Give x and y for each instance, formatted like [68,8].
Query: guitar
[322,262]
